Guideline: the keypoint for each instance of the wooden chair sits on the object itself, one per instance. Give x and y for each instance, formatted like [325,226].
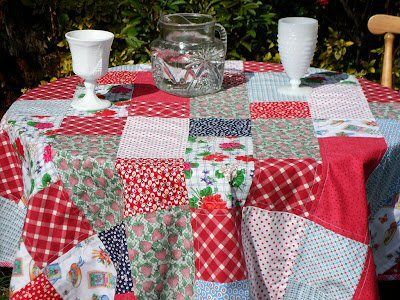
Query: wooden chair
[387,25]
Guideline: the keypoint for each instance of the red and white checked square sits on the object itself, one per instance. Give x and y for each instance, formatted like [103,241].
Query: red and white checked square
[285,185]
[38,289]
[11,183]
[91,126]
[374,92]
[58,90]
[255,66]
[118,77]
[161,109]
[217,243]
[279,110]
[53,225]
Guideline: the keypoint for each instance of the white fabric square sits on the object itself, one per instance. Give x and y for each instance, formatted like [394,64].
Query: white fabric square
[38,108]
[154,138]
[234,66]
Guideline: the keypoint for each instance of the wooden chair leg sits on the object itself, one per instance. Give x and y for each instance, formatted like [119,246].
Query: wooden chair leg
[388,61]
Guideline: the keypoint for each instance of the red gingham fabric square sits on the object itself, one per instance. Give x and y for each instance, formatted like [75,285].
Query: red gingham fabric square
[218,250]
[374,92]
[38,289]
[255,66]
[91,126]
[58,90]
[152,184]
[53,225]
[279,110]
[118,77]
[285,185]
[11,184]
[170,109]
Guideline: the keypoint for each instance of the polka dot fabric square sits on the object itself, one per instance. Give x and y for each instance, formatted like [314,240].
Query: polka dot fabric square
[280,110]
[38,289]
[118,77]
[254,66]
[91,126]
[374,92]
[161,109]
[61,89]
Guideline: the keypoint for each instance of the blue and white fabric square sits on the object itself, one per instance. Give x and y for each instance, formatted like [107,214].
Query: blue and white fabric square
[237,290]
[220,127]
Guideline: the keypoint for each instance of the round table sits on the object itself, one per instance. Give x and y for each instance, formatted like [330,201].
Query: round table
[238,193]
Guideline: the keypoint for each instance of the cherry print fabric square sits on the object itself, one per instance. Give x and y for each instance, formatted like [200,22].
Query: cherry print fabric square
[91,126]
[290,185]
[279,110]
[217,245]
[118,77]
[374,92]
[38,289]
[161,109]
[220,127]
[254,66]
[271,242]
[152,184]
[53,224]
[61,89]
[154,138]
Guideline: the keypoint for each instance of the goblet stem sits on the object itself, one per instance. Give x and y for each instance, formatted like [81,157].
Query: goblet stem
[295,83]
[90,102]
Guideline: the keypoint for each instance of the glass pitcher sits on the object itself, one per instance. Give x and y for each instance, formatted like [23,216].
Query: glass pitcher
[187,59]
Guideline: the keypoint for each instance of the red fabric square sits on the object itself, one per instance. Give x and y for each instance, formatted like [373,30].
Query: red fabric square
[38,289]
[170,109]
[285,185]
[11,184]
[58,90]
[91,126]
[218,250]
[279,110]
[378,93]
[53,225]
[145,89]
[234,79]
[255,66]
[118,77]
[368,284]
[152,184]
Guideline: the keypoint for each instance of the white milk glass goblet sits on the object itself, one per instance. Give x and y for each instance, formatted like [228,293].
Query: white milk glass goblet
[90,51]
[297,39]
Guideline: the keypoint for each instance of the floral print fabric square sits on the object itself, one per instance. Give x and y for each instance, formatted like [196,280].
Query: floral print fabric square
[385,110]
[351,128]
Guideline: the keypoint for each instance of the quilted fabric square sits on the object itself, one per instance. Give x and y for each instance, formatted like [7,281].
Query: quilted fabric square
[160,246]
[113,93]
[38,289]
[86,271]
[279,110]
[11,223]
[229,103]
[339,102]
[217,245]
[233,66]
[118,77]
[290,185]
[116,245]
[86,166]
[38,108]
[263,87]
[328,263]
[220,127]
[154,138]
[221,291]
[11,184]
[61,89]
[161,109]
[374,92]
[254,66]
[53,225]
[284,138]
[91,126]
[152,184]
[351,128]
[385,110]
[271,242]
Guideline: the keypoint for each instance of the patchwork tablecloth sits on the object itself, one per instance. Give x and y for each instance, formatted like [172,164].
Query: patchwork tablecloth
[245,193]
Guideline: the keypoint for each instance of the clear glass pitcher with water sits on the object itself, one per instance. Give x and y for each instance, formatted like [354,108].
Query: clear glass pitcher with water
[188,59]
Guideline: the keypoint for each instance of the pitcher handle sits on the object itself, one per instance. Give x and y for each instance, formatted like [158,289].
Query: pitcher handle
[222,35]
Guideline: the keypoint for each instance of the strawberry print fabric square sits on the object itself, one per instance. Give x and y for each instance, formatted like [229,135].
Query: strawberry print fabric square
[61,89]
[220,127]
[91,126]
[154,138]
[113,93]
[229,103]
[327,264]
[152,184]
[161,109]
[339,102]
[284,138]
[53,224]
[288,185]
[87,167]
[280,110]
[388,110]
[118,77]
[38,289]
[271,242]
[217,244]
[160,246]
[254,66]
[351,128]
[374,92]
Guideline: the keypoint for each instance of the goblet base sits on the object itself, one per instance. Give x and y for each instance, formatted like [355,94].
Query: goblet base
[295,91]
[90,104]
